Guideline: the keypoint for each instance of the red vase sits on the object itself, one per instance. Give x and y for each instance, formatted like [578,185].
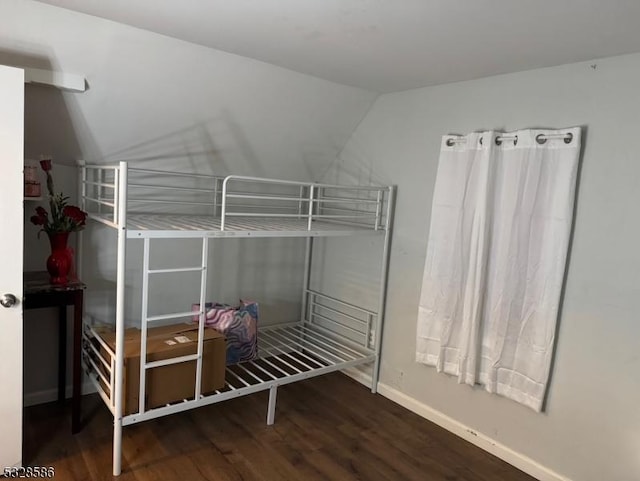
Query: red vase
[59,262]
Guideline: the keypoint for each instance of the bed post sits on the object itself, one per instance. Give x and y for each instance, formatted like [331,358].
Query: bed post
[375,375]
[121,206]
[307,273]
[203,315]
[308,256]
[82,193]
[271,410]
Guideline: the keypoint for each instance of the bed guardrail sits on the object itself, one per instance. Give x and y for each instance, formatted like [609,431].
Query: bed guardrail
[361,206]
[233,196]
[100,193]
[342,318]
[99,363]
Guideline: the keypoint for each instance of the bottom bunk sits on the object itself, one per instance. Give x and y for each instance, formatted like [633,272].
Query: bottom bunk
[287,353]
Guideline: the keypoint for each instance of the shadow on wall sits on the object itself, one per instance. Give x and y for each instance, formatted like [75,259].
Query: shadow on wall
[193,149]
[220,146]
[190,149]
[354,167]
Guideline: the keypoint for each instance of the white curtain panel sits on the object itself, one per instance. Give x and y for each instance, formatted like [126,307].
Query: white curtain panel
[496,256]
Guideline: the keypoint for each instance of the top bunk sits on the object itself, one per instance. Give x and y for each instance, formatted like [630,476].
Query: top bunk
[155,203]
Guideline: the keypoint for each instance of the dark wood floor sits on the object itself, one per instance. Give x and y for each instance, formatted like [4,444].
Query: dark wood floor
[327,428]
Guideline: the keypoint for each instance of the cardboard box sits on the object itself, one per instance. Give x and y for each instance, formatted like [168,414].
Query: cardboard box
[167,384]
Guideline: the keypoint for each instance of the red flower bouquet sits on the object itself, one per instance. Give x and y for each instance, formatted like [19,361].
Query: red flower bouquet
[58,223]
[64,217]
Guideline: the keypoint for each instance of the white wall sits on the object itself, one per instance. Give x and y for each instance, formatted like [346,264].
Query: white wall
[591,428]
[165,103]
[152,96]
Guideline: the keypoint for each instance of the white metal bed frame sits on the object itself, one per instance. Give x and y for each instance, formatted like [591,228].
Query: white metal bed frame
[237,206]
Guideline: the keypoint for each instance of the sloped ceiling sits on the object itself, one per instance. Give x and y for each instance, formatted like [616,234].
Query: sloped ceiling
[390,45]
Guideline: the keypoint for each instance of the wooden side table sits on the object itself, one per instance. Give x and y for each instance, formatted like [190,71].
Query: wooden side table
[38,293]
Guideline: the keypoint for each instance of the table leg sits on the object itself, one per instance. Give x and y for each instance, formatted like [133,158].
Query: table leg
[62,352]
[77,356]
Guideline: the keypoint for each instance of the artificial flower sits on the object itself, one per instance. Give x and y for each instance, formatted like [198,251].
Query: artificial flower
[64,217]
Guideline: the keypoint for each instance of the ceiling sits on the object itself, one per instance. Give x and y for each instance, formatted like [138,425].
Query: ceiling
[390,45]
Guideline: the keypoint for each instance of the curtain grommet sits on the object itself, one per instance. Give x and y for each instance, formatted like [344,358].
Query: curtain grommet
[450,142]
[498,141]
[541,139]
[515,141]
[568,138]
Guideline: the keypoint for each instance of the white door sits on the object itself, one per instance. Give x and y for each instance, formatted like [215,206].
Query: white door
[11,233]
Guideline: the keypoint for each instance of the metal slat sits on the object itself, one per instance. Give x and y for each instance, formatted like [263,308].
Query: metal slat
[99,184]
[328,319]
[335,311]
[300,353]
[254,364]
[318,339]
[106,398]
[100,340]
[136,170]
[171,360]
[168,187]
[164,317]
[240,366]
[338,301]
[102,167]
[345,209]
[279,358]
[229,371]
[97,370]
[177,202]
[340,216]
[227,384]
[346,200]
[264,197]
[95,351]
[179,269]
[313,348]
[318,330]
[355,226]
[98,201]
[256,225]
[283,352]
[266,361]
[312,344]
[259,214]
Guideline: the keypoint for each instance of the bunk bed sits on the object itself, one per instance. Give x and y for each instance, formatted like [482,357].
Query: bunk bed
[144,204]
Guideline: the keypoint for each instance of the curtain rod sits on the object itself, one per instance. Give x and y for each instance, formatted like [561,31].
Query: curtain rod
[540,138]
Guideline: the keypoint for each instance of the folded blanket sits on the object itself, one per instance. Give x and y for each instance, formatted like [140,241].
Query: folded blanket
[239,324]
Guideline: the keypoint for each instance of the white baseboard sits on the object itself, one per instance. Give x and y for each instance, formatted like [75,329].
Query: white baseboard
[49,395]
[519,460]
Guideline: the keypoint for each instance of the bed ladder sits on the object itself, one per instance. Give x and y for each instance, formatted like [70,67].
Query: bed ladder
[147,272]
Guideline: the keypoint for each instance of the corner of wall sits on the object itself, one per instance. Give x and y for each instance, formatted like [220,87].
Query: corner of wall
[490,445]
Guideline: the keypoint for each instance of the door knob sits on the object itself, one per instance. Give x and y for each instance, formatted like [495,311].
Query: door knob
[8,300]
